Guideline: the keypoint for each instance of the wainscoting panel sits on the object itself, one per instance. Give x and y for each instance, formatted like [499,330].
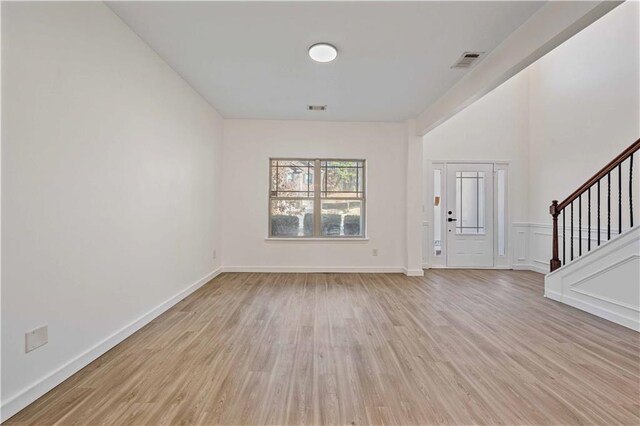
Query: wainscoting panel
[426,244]
[605,282]
[532,244]
[520,245]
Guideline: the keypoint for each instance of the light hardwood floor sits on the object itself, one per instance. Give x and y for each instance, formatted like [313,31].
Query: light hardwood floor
[455,347]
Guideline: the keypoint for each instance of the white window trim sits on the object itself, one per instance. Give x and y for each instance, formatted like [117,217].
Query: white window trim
[314,239]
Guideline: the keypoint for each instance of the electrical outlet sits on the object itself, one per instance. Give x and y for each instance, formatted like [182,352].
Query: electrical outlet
[375,252]
[35,338]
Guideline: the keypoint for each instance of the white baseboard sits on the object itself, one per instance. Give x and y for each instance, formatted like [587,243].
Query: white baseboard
[598,311]
[534,268]
[364,270]
[553,295]
[317,269]
[25,397]
[413,272]
[327,269]
[485,268]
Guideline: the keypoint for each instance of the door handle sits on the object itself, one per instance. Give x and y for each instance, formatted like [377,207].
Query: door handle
[449,219]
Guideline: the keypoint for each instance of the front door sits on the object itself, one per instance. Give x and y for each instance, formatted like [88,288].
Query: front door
[469,215]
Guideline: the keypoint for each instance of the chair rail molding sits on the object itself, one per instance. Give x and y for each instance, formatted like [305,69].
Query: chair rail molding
[531,244]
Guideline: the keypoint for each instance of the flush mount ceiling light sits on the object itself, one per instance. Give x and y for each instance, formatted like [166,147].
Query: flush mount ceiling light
[323,52]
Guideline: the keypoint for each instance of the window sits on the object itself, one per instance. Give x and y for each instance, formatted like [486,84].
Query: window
[318,198]
[437,212]
[502,200]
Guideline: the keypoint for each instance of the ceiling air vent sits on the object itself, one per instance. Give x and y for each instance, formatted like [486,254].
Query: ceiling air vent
[316,107]
[467,59]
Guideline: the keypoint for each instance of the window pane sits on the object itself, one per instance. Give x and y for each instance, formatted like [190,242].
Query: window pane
[292,178]
[291,218]
[437,213]
[342,178]
[341,218]
[502,200]
[470,203]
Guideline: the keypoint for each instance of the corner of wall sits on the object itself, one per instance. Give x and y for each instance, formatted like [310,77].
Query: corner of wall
[413,199]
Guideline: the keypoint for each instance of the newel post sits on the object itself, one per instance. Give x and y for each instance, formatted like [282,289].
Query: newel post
[555,260]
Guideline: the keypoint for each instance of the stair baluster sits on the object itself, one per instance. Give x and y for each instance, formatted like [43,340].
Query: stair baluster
[589,219]
[557,208]
[631,190]
[579,225]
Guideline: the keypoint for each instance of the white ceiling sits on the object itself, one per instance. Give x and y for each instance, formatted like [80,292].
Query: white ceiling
[249,59]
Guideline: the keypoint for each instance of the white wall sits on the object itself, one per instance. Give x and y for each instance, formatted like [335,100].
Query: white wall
[584,110]
[585,106]
[551,25]
[414,202]
[249,144]
[495,128]
[558,121]
[110,169]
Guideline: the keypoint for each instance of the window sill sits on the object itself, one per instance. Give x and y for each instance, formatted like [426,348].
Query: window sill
[316,240]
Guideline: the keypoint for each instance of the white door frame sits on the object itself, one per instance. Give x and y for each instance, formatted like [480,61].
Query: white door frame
[433,261]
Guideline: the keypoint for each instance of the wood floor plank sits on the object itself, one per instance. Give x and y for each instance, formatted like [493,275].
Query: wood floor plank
[452,347]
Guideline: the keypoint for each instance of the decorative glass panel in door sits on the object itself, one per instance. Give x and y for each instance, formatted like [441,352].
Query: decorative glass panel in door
[470,198]
[469,215]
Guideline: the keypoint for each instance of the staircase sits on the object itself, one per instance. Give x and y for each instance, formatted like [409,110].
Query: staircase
[595,264]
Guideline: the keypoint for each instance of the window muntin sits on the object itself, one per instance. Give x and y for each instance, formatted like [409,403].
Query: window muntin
[342,179]
[332,206]
[292,178]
